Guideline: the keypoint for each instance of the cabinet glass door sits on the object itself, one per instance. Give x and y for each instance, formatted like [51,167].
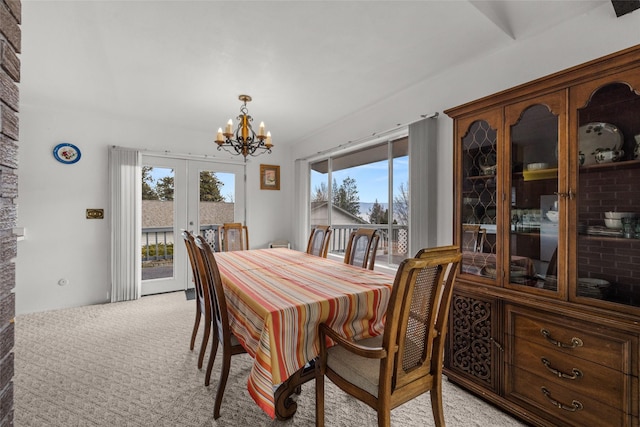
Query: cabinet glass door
[479,166]
[532,130]
[608,202]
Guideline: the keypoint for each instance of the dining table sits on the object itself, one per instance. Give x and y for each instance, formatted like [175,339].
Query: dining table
[276,299]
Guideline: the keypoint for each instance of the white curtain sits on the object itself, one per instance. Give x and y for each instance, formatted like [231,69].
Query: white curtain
[423,185]
[125,181]
[301,207]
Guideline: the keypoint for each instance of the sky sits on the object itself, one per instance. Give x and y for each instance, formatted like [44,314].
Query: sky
[371,179]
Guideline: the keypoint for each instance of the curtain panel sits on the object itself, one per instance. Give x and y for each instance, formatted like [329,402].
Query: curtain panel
[423,184]
[125,181]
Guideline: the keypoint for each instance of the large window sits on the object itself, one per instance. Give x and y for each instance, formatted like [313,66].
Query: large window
[367,188]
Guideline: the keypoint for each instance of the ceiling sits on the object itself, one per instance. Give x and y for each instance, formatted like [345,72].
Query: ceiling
[306,64]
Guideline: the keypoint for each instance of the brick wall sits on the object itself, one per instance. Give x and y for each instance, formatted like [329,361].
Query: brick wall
[10,36]
[612,188]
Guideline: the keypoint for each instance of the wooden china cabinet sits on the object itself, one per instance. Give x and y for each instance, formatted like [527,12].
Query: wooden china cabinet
[545,317]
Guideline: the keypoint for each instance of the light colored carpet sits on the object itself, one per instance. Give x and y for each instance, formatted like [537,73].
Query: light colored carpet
[129,364]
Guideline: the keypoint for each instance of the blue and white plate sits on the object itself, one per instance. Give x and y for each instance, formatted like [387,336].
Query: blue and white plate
[66,153]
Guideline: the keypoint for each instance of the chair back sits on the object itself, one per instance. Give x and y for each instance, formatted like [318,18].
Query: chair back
[202,294]
[417,318]
[210,278]
[234,237]
[319,241]
[362,248]
[473,238]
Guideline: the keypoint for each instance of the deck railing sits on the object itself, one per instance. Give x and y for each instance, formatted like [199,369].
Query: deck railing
[157,240]
[392,247]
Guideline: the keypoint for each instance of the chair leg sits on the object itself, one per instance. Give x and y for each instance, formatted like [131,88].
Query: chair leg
[384,417]
[319,396]
[205,340]
[196,324]
[212,356]
[224,374]
[436,403]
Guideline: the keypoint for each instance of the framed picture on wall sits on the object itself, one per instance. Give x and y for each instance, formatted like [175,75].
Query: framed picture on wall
[269,177]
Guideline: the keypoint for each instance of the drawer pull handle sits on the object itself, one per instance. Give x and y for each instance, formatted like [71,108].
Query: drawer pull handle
[575,342]
[575,405]
[576,373]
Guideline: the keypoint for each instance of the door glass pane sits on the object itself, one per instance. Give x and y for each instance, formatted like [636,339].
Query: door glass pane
[609,173]
[216,203]
[478,227]
[157,222]
[534,208]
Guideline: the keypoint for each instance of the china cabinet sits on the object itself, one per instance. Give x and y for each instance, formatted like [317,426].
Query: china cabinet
[545,317]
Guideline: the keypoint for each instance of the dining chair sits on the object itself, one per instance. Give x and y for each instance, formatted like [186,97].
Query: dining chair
[202,299]
[406,360]
[362,248]
[319,240]
[473,237]
[210,277]
[234,237]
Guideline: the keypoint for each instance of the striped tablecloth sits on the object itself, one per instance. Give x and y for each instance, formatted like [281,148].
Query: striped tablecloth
[278,297]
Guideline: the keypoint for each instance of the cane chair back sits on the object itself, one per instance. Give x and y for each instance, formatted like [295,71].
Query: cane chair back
[319,241]
[362,247]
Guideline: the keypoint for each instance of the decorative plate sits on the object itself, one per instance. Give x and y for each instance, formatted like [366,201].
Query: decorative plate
[597,135]
[66,153]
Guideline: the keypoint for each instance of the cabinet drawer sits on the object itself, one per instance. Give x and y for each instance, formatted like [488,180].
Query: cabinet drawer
[584,377]
[591,342]
[562,405]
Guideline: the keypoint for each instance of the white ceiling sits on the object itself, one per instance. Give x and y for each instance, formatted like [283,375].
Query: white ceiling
[306,64]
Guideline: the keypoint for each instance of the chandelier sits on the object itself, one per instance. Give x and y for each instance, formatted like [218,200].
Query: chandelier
[244,141]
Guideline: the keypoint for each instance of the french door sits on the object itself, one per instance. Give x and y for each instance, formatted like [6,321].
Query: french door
[183,194]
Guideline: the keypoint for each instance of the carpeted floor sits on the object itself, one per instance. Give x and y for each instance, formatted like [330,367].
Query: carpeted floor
[129,364]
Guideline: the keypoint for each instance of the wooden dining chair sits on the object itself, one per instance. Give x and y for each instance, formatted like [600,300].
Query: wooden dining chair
[319,241]
[362,248]
[202,299]
[473,237]
[234,237]
[210,277]
[406,360]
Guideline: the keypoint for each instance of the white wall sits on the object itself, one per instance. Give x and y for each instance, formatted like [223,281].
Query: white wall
[582,39]
[61,243]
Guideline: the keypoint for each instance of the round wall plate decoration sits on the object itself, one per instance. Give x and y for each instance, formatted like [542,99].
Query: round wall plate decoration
[66,153]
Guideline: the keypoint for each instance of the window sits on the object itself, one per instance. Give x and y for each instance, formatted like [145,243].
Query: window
[367,188]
